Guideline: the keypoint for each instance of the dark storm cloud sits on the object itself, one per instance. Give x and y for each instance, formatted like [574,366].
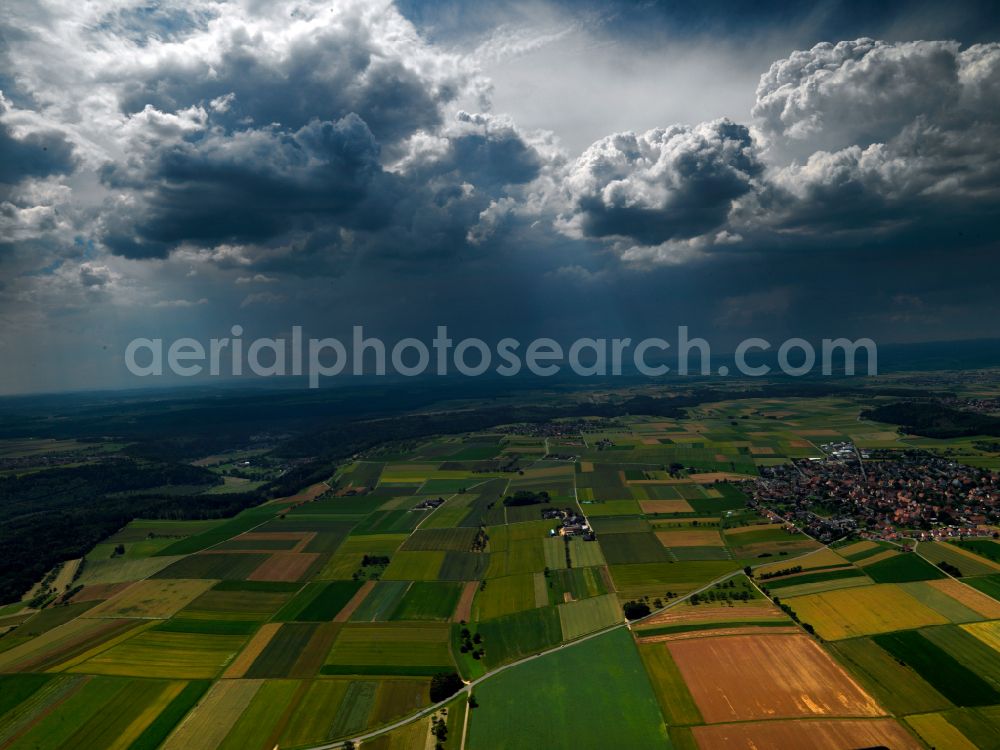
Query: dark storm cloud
[252,185]
[35,154]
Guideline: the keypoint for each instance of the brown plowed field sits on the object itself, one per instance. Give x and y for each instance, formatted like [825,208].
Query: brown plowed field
[740,678]
[355,601]
[683,614]
[665,506]
[815,735]
[735,630]
[284,566]
[464,609]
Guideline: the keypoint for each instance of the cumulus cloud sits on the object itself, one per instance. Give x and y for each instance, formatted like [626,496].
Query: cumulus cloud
[667,184]
[912,130]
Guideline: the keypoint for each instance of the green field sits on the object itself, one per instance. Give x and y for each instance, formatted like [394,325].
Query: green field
[383,600]
[675,699]
[902,568]
[989,585]
[254,729]
[414,566]
[428,600]
[622,549]
[588,615]
[512,636]
[390,648]
[165,654]
[956,682]
[602,679]
[968,564]
[896,686]
[319,602]
[502,596]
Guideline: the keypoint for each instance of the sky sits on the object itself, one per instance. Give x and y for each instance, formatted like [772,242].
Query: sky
[559,169]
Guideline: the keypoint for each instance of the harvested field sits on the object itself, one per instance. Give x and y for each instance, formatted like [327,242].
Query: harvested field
[208,724]
[834,734]
[739,678]
[99,592]
[685,614]
[710,630]
[284,566]
[152,598]
[969,597]
[864,610]
[246,657]
[665,506]
[690,538]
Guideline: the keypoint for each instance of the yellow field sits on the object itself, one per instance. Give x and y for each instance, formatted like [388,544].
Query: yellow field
[987,632]
[975,600]
[690,538]
[877,558]
[153,598]
[208,724]
[935,730]
[820,559]
[246,657]
[853,549]
[865,610]
[138,725]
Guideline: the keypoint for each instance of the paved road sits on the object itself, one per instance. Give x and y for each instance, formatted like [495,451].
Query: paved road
[471,685]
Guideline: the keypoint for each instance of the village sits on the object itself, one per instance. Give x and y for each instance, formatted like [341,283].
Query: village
[883,494]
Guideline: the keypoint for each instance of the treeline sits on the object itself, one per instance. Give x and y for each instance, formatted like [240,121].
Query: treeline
[60,514]
[934,420]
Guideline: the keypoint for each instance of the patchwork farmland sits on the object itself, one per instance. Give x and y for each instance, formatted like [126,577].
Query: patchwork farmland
[512,562]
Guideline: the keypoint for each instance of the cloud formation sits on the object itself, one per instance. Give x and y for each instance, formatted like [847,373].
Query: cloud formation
[246,158]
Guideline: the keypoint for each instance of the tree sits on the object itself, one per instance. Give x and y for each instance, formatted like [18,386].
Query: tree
[635,610]
[444,685]
[473,703]
[748,571]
